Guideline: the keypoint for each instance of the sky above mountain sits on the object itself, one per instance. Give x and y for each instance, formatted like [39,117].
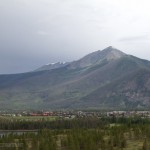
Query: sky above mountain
[37,32]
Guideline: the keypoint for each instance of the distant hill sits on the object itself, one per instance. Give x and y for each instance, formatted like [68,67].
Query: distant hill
[107,79]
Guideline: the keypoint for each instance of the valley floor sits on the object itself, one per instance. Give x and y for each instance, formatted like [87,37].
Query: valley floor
[75,134]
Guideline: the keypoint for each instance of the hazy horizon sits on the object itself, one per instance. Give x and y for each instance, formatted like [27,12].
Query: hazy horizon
[37,32]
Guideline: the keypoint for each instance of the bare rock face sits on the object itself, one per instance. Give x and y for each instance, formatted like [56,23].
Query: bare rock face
[112,53]
[97,57]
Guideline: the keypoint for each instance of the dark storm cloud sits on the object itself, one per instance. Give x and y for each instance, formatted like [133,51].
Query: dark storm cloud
[37,32]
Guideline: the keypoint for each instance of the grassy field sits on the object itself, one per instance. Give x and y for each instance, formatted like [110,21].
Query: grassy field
[134,145]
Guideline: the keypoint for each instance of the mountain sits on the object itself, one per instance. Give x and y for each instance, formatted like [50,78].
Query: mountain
[52,66]
[97,57]
[107,79]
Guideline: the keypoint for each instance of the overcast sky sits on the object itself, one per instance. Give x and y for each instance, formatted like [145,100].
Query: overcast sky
[37,32]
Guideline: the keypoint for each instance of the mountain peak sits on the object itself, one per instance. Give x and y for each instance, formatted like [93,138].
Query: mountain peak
[110,53]
[51,66]
[110,48]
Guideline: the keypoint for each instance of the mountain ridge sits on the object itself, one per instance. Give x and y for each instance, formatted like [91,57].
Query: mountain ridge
[102,79]
[96,57]
[52,66]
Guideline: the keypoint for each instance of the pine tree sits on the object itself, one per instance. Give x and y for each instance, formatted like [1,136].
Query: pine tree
[145,145]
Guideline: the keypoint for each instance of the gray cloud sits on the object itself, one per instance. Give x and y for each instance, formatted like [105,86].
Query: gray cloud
[37,32]
[135,38]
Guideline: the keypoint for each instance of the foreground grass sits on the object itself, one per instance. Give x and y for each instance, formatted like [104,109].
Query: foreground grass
[116,138]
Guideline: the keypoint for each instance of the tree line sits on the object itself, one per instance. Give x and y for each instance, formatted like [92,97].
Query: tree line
[77,134]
